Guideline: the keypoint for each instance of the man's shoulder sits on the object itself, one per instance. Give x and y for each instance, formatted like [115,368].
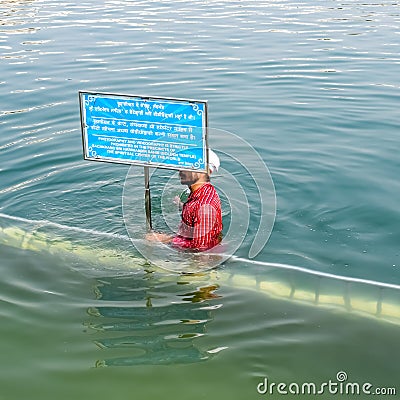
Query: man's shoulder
[209,194]
[209,189]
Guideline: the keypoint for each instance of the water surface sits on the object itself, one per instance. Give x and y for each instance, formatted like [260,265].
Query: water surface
[313,87]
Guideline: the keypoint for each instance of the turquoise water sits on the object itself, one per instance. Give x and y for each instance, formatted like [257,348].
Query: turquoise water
[313,87]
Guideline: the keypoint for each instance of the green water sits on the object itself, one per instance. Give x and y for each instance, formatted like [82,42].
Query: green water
[313,87]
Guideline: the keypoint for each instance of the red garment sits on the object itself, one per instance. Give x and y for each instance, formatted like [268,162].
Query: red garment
[201,225]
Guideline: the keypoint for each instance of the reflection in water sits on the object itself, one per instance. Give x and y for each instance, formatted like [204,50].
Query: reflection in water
[150,320]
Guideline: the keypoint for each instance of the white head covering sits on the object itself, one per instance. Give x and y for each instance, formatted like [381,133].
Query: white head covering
[213,161]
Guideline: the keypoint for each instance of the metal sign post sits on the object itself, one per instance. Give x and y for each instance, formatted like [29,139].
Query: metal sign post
[147,198]
[153,132]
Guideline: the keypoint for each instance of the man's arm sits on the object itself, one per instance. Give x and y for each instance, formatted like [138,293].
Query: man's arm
[202,231]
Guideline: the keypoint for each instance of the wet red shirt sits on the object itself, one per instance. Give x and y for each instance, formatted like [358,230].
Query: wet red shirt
[201,225]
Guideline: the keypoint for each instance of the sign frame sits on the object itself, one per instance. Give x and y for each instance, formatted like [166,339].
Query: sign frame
[84,95]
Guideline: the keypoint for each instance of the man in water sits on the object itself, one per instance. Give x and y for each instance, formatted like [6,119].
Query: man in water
[200,228]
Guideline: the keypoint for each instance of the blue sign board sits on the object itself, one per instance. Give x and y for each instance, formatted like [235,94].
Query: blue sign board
[149,131]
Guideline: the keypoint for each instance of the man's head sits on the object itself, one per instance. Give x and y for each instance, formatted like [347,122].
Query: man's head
[189,178]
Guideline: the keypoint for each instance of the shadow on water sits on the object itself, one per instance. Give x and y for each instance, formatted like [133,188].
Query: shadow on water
[143,320]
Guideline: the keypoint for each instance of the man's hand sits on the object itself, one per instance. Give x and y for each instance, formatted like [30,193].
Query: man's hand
[158,237]
[178,202]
